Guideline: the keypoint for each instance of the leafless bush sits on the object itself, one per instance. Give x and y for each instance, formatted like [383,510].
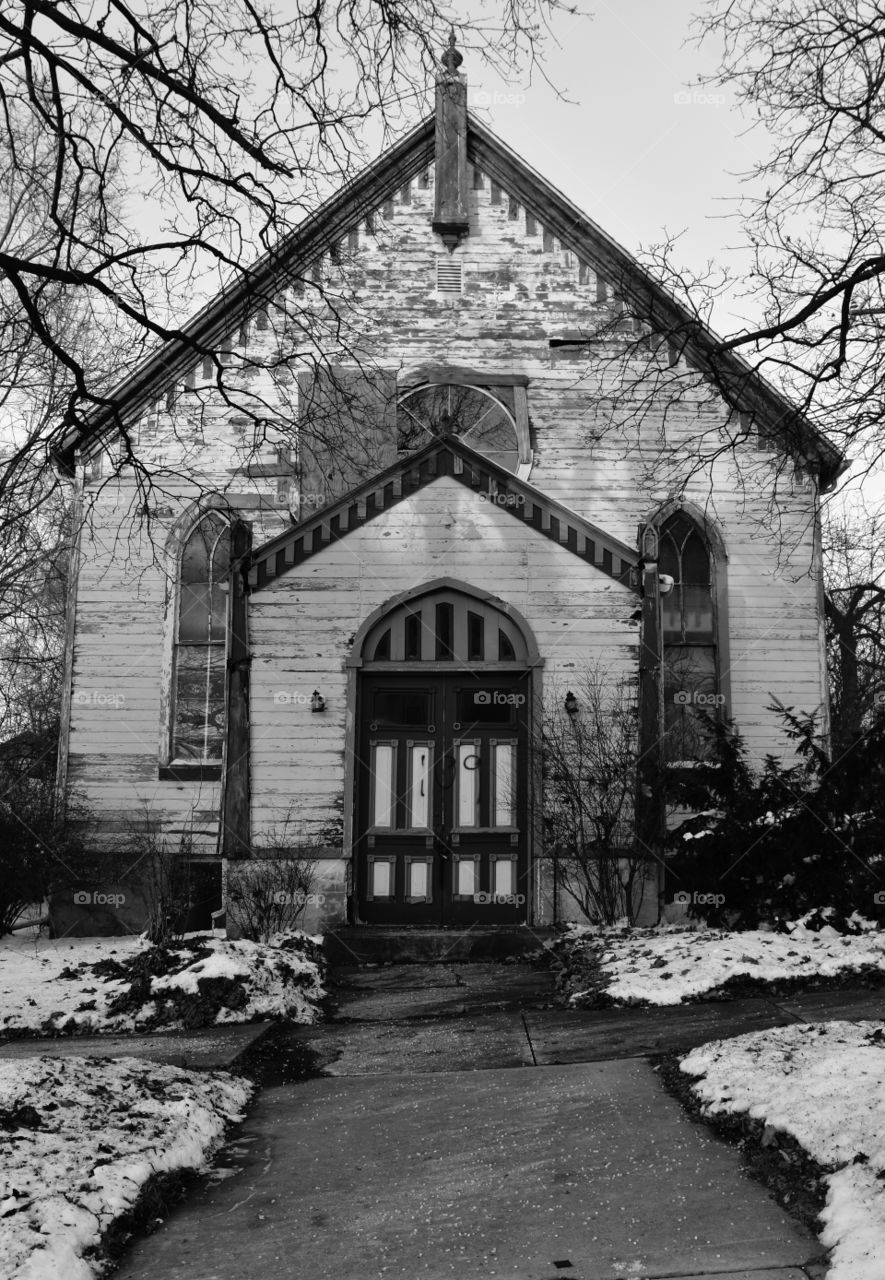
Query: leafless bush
[161,872]
[267,893]
[590,760]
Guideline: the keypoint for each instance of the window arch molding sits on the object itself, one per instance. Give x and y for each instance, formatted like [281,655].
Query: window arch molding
[194,656]
[689,522]
[708,528]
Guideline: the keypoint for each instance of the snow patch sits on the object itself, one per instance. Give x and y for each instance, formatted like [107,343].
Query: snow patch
[83,1137]
[48,986]
[670,964]
[824,1085]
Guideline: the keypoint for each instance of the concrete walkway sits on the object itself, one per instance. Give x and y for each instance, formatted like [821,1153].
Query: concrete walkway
[443,1136]
[417,1018]
[208,1049]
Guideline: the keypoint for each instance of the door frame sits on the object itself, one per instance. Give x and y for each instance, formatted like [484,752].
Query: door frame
[533,668]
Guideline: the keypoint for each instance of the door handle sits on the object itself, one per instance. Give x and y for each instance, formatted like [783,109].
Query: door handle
[449,767]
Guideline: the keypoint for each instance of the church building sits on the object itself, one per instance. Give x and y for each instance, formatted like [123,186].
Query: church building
[441,453]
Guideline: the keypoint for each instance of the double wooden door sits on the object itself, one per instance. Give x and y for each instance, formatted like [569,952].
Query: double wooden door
[442,798]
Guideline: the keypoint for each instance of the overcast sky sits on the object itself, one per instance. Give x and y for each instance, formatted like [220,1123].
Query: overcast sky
[639,147]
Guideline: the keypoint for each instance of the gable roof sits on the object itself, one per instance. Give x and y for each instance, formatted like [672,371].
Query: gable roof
[445,456]
[328,226]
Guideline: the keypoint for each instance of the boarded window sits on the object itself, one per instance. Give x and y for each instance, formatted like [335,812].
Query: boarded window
[347,430]
[200,642]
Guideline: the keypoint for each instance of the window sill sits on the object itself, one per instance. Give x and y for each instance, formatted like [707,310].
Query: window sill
[189,772]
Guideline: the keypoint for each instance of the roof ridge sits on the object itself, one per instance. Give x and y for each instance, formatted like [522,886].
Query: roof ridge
[364,192]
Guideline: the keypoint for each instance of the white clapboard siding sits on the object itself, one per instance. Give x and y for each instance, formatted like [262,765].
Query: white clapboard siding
[590,452]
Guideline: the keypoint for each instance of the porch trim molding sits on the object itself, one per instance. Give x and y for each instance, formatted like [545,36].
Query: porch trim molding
[451,457]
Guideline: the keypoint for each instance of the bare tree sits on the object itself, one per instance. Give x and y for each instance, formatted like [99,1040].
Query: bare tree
[855,610]
[148,154]
[36,518]
[225,126]
[812,72]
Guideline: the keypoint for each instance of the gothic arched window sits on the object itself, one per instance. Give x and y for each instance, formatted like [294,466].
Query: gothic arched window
[691,681]
[201,642]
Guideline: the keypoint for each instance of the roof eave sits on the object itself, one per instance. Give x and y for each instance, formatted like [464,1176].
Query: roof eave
[256,285]
[583,236]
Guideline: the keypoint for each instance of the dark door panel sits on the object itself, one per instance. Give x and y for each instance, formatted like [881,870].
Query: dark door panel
[442,782]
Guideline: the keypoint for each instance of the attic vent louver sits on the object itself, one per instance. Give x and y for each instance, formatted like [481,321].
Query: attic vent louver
[448,274]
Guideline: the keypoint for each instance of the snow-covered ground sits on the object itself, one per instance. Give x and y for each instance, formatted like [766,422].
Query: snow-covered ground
[82,1136]
[51,986]
[668,965]
[824,1084]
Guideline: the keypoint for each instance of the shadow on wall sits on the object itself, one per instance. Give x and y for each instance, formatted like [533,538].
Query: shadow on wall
[116,909]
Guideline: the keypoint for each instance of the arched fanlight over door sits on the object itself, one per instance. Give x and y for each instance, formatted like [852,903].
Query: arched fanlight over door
[445,626]
[478,417]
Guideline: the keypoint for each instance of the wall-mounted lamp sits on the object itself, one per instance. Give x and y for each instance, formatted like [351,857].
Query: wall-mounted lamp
[665,583]
[317,701]
[571,705]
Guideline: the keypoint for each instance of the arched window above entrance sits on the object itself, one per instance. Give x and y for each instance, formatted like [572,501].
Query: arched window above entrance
[445,625]
[495,423]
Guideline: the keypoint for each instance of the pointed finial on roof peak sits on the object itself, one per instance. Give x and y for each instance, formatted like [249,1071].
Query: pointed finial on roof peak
[452,58]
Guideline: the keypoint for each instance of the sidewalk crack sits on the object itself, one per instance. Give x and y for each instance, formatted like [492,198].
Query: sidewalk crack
[528,1036]
[784,1013]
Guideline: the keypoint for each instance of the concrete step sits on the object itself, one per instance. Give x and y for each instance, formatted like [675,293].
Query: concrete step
[375,944]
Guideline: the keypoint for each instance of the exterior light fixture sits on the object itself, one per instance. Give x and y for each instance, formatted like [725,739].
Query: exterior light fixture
[665,583]
[571,705]
[650,542]
[317,701]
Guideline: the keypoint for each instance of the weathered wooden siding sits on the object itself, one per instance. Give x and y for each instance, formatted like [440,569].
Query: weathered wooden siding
[600,445]
[302,628]
[120,669]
